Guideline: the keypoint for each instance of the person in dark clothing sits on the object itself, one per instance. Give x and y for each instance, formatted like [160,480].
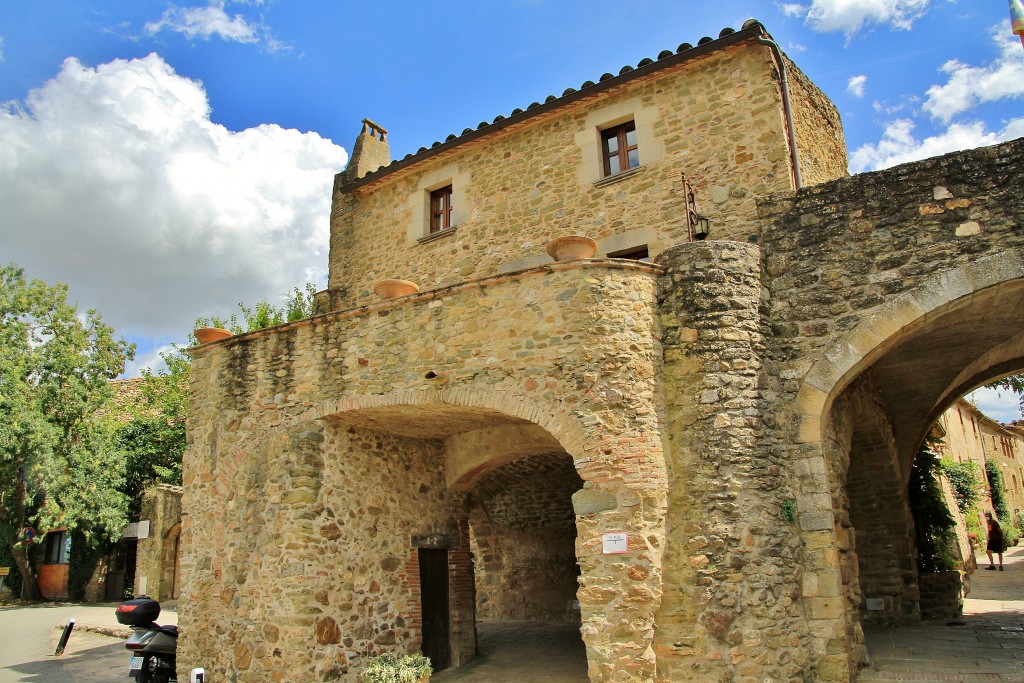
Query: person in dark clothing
[995,542]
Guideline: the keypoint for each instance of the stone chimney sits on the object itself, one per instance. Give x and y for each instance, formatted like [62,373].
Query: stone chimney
[369,152]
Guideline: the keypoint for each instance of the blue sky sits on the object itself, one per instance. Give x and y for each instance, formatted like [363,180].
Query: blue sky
[168,160]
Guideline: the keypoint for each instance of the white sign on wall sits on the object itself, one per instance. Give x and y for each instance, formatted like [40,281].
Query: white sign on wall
[615,543]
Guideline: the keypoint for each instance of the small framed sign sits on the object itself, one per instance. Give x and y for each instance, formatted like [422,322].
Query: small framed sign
[615,543]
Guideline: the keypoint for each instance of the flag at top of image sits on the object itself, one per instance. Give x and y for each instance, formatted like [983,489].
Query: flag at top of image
[1017,19]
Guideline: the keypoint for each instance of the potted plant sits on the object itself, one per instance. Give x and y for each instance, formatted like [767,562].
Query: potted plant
[390,668]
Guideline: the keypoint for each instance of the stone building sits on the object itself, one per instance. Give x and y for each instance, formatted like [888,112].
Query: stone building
[972,436]
[681,444]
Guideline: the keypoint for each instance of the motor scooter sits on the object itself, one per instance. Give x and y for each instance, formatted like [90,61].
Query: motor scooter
[153,647]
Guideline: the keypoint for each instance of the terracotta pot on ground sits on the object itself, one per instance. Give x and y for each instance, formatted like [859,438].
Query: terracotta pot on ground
[205,335]
[572,248]
[389,289]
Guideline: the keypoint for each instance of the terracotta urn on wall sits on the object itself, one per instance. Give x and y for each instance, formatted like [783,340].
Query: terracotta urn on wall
[389,289]
[205,335]
[572,248]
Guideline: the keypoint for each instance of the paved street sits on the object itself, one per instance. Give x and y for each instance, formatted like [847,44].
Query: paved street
[986,644]
[29,635]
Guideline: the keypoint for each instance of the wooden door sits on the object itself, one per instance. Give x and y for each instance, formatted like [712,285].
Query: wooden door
[435,612]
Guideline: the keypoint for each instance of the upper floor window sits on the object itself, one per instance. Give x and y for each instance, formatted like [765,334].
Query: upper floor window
[619,149]
[441,209]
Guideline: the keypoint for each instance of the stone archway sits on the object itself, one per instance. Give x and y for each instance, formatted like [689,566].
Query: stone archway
[396,470]
[868,402]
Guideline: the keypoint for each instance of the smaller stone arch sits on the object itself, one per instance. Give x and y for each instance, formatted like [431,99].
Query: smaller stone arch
[564,429]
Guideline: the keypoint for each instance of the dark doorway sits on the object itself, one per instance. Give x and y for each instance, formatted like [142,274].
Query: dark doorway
[120,571]
[434,594]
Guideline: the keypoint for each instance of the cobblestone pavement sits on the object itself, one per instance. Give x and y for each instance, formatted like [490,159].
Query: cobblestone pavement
[986,644]
[29,635]
[524,652]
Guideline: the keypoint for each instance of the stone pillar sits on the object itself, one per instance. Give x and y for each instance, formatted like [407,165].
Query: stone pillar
[731,607]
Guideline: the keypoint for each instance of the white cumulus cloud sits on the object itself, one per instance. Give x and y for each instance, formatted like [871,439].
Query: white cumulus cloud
[114,180]
[899,146]
[849,16]
[855,86]
[212,20]
[967,85]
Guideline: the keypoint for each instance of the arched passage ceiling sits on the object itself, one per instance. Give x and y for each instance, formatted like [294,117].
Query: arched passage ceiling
[430,421]
[954,350]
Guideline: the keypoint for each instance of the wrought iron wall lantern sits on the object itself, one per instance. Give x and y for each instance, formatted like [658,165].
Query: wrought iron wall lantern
[698,225]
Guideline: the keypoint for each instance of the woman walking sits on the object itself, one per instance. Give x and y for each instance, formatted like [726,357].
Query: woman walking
[995,542]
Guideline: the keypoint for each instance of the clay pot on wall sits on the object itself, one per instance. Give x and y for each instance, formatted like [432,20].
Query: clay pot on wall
[572,248]
[205,335]
[389,289]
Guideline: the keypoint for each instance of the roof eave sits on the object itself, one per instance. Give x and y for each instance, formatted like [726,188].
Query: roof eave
[749,33]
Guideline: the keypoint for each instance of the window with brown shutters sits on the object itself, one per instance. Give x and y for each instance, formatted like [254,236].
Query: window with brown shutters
[619,149]
[441,209]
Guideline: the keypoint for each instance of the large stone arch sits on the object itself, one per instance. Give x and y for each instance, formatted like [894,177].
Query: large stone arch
[372,411]
[846,357]
[904,347]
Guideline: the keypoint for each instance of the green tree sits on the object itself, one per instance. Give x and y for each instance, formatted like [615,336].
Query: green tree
[297,305]
[153,441]
[58,464]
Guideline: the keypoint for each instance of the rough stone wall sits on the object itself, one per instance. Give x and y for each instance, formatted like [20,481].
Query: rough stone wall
[290,515]
[717,118]
[525,533]
[821,146]
[874,525]
[733,558]
[154,557]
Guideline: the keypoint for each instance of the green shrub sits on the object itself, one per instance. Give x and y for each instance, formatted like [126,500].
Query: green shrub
[996,491]
[389,668]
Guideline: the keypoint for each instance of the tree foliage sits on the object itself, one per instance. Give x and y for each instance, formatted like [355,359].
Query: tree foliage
[153,440]
[58,464]
[297,305]
[934,526]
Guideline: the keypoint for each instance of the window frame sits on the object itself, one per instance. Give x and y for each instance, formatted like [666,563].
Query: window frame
[440,206]
[58,547]
[620,134]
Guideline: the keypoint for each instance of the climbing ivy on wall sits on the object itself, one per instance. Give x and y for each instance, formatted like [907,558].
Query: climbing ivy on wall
[966,482]
[996,490]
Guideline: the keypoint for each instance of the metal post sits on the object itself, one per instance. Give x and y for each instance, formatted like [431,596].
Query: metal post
[64,637]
